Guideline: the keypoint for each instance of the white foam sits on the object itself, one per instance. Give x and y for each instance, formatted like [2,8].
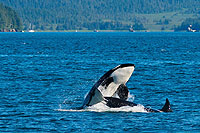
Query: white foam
[131,98]
[101,107]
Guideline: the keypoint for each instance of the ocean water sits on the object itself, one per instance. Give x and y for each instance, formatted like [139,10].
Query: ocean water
[45,76]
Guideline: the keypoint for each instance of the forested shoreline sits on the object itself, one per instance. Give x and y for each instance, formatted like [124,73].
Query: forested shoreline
[62,15]
[194,23]
[9,20]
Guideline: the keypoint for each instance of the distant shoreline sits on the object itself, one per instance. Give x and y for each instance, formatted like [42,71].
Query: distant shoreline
[103,31]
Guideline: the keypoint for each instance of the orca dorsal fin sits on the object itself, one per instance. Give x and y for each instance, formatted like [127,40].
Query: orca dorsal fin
[166,107]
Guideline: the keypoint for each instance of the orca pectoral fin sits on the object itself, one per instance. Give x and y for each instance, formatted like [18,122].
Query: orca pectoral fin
[166,107]
[113,102]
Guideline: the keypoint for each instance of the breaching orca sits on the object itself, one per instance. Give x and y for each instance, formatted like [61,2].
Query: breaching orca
[111,90]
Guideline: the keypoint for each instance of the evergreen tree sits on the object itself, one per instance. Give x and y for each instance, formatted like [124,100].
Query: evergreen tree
[9,19]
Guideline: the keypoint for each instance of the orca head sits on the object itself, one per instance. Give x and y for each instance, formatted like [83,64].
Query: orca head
[122,73]
[112,80]
[109,83]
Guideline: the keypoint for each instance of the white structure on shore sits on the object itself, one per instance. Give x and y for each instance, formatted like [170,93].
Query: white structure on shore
[31,28]
[190,29]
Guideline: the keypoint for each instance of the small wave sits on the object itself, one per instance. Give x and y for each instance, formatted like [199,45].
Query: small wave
[42,55]
[70,110]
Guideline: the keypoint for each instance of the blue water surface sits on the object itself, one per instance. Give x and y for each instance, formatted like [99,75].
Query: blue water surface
[43,72]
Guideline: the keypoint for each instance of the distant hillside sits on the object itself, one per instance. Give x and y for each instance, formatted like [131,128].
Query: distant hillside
[195,23]
[98,14]
[9,20]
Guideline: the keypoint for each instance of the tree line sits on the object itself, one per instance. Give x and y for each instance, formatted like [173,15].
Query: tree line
[90,14]
[9,19]
[193,22]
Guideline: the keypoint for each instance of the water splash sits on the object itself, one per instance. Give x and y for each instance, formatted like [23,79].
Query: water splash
[102,107]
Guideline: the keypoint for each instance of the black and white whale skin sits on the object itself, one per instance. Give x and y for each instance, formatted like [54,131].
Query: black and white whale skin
[111,90]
